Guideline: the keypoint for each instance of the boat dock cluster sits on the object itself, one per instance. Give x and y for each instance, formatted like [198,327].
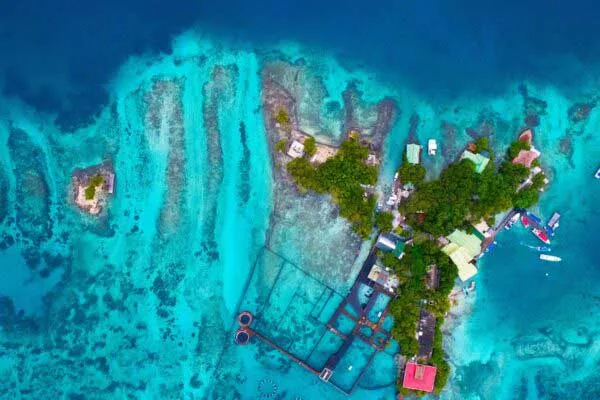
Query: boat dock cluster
[535,225]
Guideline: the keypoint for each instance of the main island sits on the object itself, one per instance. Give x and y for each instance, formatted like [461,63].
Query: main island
[425,234]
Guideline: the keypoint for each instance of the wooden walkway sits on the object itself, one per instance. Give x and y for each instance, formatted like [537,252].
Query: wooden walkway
[286,353]
[362,320]
[498,228]
[357,313]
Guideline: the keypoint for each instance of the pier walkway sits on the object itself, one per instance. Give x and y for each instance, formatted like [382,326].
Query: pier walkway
[498,228]
[360,319]
[349,321]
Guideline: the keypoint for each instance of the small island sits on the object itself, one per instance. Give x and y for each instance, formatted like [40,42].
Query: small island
[92,187]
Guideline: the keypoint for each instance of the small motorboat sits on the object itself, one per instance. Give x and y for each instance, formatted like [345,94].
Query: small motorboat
[535,218]
[431,147]
[541,249]
[512,221]
[525,221]
[491,246]
[540,234]
[553,223]
[471,286]
[548,257]
[597,175]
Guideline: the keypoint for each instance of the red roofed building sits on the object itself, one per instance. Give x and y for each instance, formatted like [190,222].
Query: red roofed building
[419,377]
[526,157]
[526,136]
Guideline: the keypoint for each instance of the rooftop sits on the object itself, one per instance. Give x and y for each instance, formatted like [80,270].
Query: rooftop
[413,153]
[399,250]
[433,277]
[419,377]
[385,242]
[526,157]
[426,333]
[296,149]
[469,241]
[480,160]
[526,136]
[482,230]
[383,277]
[462,259]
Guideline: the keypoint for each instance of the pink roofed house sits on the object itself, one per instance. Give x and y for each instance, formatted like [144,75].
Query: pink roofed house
[419,377]
[526,157]
[526,136]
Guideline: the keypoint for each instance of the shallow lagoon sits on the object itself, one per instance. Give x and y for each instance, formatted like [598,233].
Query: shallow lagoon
[142,302]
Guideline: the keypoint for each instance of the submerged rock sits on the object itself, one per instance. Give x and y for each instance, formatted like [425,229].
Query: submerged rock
[580,111]
[533,107]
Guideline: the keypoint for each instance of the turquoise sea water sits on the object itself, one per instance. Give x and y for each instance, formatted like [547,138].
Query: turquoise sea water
[141,303]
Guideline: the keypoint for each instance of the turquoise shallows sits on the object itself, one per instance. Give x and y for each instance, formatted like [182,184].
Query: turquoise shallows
[143,301]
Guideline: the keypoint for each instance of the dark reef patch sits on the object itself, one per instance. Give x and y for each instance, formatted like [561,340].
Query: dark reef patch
[215,92]
[580,111]
[32,191]
[533,108]
[244,167]
[3,194]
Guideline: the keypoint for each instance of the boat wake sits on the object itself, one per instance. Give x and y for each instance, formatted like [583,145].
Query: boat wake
[545,249]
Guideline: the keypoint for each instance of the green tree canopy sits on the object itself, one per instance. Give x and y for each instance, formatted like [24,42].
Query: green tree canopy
[413,173]
[310,146]
[515,148]
[383,220]
[342,176]
[526,197]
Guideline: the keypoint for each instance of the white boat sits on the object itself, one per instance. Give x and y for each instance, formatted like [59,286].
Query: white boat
[597,174]
[512,221]
[548,257]
[431,147]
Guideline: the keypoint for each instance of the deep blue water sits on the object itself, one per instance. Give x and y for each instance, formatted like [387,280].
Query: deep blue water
[58,55]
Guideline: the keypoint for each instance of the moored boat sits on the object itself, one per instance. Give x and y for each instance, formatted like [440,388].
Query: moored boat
[540,234]
[544,249]
[553,221]
[431,147]
[491,246]
[548,257]
[525,221]
[534,218]
[512,221]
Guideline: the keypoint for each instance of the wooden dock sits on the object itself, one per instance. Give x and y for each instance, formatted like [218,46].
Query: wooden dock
[498,228]
[286,353]
[358,313]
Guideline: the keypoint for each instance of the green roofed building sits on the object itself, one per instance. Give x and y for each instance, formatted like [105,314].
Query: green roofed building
[413,153]
[462,249]
[462,259]
[478,159]
[399,250]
